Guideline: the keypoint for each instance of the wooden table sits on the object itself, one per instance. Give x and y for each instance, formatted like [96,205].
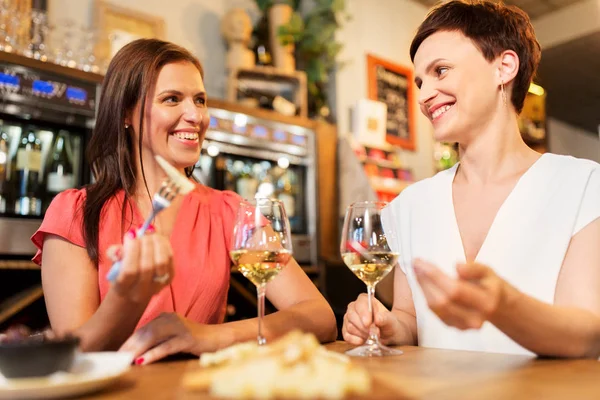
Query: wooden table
[420,373]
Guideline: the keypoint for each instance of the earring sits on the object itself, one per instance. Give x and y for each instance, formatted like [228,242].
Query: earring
[126,126]
[503,93]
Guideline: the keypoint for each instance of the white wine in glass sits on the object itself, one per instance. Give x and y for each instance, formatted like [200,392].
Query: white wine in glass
[262,246]
[260,266]
[365,250]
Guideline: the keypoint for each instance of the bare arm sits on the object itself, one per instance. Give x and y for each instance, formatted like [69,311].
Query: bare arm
[571,327]
[404,311]
[300,305]
[70,282]
[568,328]
[396,327]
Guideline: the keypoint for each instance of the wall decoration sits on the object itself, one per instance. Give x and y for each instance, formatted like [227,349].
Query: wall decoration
[118,26]
[392,84]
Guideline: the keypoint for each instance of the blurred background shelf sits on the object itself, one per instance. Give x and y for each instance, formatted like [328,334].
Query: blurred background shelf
[380,163]
[17,302]
[18,264]
[388,185]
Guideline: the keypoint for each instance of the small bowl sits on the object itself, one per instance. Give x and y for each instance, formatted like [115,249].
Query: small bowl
[36,356]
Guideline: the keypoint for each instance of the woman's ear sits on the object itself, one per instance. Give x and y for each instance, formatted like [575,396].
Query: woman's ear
[508,67]
[127,122]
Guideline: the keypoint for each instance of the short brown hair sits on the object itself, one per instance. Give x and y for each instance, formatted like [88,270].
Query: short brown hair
[493,27]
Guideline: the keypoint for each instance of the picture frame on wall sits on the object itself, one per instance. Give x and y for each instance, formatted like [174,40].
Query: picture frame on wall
[392,84]
[119,25]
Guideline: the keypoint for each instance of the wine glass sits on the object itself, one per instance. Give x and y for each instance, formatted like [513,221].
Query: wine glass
[262,246]
[366,252]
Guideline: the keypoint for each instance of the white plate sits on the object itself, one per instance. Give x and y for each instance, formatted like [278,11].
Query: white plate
[90,372]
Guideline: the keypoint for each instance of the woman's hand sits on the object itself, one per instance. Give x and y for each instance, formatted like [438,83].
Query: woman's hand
[168,334]
[145,260]
[357,322]
[466,302]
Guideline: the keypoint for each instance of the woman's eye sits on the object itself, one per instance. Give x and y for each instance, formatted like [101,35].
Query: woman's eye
[441,70]
[170,99]
[201,100]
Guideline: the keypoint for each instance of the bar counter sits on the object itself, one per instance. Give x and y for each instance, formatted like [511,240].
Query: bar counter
[420,373]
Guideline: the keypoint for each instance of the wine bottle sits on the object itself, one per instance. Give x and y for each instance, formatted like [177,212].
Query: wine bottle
[286,194]
[268,100]
[59,170]
[246,184]
[25,170]
[3,170]
[261,46]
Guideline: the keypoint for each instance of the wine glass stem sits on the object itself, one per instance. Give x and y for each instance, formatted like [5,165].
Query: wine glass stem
[261,291]
[373,337]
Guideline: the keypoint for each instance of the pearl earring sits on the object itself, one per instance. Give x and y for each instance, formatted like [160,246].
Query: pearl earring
[126,126]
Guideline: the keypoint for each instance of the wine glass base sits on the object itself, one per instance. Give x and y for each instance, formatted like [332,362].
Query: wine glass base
[373,350]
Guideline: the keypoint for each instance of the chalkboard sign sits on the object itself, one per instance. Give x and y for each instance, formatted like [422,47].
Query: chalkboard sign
[392,84]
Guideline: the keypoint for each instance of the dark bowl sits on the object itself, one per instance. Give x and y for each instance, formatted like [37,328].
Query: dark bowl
[32,357]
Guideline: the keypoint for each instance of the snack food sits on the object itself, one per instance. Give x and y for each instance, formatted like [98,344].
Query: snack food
[295,366]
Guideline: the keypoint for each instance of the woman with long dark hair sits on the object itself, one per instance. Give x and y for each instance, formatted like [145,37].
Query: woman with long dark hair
[153,102]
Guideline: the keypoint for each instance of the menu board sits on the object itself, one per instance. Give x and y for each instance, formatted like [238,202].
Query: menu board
[392,84]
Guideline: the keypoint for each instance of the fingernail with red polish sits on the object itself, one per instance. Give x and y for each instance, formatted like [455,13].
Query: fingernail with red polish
[119,253]
[130,234]
[139,361]
[150,229]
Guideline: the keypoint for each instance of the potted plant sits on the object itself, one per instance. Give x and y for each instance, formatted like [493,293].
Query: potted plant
[316,47]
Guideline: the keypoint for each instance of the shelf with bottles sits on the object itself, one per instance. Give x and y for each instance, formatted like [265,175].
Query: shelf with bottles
[387,176]
[250,178]
[388,185]
[35,164]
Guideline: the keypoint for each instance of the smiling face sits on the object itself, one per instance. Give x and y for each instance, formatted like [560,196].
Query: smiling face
[175,117]
[458,86]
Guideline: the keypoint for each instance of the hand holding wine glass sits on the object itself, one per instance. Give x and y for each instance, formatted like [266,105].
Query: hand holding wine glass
[365,250]
[262,246]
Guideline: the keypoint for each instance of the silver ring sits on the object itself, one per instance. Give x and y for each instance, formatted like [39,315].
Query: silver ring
[162,279]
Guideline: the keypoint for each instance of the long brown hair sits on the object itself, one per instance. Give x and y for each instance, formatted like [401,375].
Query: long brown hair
[110,151]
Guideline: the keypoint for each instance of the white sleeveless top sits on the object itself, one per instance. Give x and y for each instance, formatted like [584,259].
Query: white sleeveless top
[526,243]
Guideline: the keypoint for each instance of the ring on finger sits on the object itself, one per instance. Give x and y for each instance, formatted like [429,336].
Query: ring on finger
[162,279]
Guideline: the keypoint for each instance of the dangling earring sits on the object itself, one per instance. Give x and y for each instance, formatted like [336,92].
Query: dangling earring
[503,93]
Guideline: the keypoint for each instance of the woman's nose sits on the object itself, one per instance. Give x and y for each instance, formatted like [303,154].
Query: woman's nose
[426,93]
[192,112]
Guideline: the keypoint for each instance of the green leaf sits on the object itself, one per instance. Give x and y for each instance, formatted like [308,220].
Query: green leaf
[338,5]
[312,72]
[263,5]
[296,23]
[313,89]
[333,49]
[287,2]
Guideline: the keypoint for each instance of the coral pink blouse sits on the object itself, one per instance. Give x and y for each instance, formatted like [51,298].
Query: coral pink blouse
[201,240]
